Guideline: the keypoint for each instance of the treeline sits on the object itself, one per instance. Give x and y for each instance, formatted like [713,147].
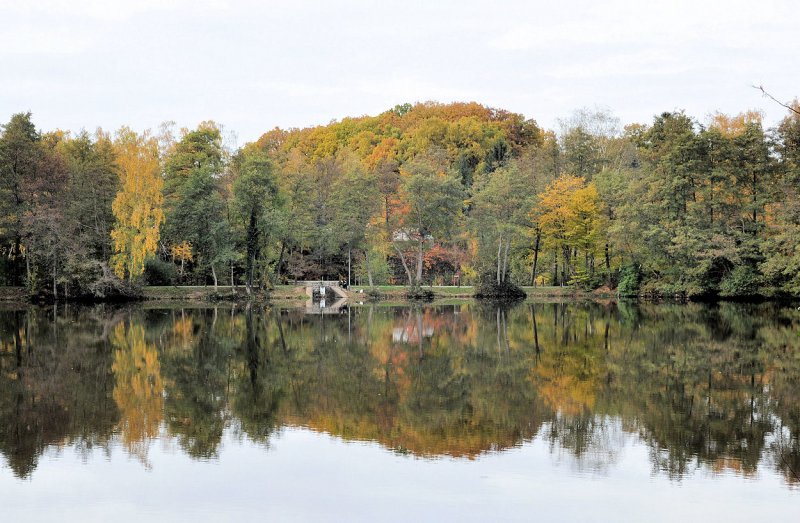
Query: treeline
[422,194]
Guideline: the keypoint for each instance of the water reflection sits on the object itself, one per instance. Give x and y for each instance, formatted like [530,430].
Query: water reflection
[709,387]
[138,388]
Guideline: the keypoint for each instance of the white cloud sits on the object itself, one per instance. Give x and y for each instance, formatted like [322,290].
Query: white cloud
[28,39]
[104,10]
[413,88]
[731,24]
[253,65]
[642,63]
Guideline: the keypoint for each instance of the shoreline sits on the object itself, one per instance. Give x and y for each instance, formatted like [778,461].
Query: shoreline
[293,294]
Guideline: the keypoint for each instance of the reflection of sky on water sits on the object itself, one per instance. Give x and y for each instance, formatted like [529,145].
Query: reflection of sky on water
[309,476]
[563,411]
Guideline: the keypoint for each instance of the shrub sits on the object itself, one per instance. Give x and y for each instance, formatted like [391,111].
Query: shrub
[374,294]
[630,279]
[419,293]
[159,272]
[742,281]
[505,291]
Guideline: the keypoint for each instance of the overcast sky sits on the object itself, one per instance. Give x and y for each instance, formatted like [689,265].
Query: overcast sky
[254,65]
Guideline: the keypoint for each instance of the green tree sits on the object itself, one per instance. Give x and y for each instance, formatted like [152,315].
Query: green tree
[93,184]
[195,209]
[355,199]
[20,156]
[781,265]
[498,217]
[433,199]
[255,194]
[47,230]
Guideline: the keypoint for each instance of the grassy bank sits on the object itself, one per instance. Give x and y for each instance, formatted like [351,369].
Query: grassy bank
[394,293]
[209,293]
[13,294]
[398,291]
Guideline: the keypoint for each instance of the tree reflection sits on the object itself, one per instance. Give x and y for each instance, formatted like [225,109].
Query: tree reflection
[54,395]
[704,386]
[138,388]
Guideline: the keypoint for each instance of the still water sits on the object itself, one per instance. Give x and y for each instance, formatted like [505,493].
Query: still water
[468,412]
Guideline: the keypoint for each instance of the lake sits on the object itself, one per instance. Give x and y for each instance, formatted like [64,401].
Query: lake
[461,412]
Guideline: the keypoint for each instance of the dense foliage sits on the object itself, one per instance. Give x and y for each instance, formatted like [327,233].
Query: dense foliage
[420,194]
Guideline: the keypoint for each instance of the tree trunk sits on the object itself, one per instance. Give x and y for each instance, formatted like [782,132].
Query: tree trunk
[499,257]
[214,275]
[280,261]
[555,268]
[755,181]
[608,266]
[535,258]
[27,269]
[420,249]
[55,287]
[233,282]
[505,261]
[17,253]
[349,263]
[248,283]
[369,268]
[252,246]
[264,280]
[405,265]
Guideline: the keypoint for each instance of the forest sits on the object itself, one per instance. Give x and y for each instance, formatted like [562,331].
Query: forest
[422,194]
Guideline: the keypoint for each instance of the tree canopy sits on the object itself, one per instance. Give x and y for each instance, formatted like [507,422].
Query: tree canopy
[418,194]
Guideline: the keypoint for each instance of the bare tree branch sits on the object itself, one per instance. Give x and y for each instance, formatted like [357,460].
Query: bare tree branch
[766,94]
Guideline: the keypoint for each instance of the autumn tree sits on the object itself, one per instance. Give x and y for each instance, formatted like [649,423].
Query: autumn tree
[433,198]
[693,213]
[138,204]
[138,387]
[686,207]
[569,215]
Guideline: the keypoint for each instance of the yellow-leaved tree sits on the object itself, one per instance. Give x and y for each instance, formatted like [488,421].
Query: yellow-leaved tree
[138,204]
[572,224]
[138,389]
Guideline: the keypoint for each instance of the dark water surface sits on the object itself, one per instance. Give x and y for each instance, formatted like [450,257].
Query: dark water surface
[545,411]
